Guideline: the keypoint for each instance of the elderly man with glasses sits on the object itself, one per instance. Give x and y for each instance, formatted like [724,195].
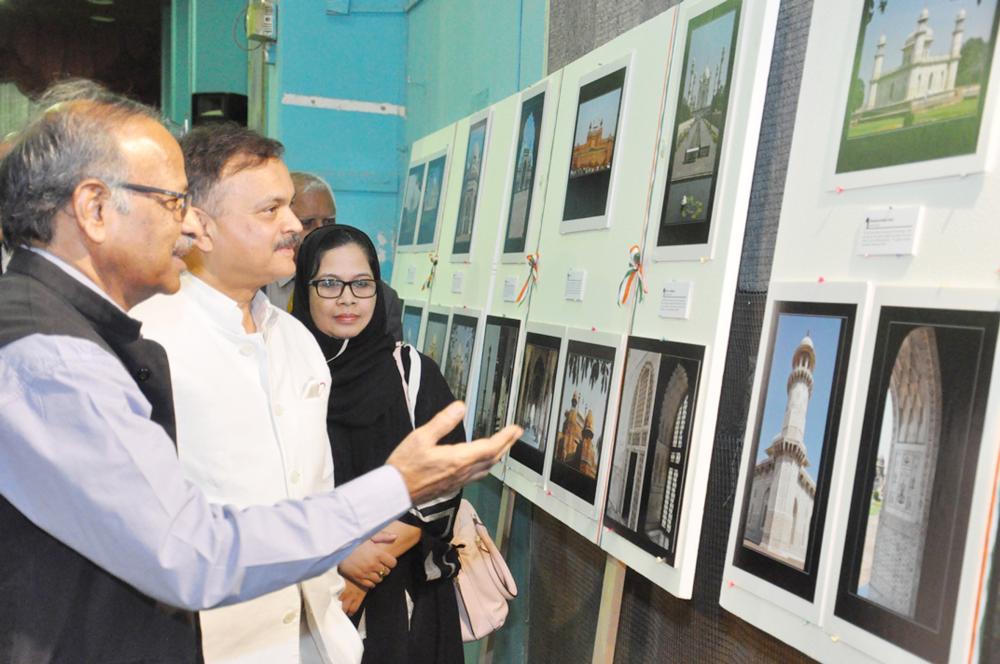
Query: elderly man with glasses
[107,548]
[315,206]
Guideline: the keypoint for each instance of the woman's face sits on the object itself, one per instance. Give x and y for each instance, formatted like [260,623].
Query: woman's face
[345,316]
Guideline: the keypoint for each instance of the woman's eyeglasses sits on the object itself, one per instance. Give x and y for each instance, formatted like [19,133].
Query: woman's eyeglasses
[329,289]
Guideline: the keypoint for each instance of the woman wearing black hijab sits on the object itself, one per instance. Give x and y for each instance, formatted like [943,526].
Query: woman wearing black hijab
[411,614]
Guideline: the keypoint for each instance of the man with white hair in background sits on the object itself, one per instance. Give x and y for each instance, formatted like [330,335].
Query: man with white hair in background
[315,205]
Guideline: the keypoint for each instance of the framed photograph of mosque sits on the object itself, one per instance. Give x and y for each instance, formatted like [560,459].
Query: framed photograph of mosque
[435,339]
[786,484]
[536,392]
[522,186]
[433,200]
[496,375]
[911,508]
[413,316]
[582,427]
[600,121]
[458,357]
[652,443]
[413,191]
[472,175]
[917,101]
[699,126]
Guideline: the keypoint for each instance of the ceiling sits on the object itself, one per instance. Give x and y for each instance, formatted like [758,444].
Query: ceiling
[45,40]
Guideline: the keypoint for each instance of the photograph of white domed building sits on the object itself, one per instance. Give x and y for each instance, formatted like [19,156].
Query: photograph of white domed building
[920,67]
[793,425]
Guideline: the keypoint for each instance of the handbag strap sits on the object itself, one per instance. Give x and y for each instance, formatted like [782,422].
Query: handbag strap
[411,383]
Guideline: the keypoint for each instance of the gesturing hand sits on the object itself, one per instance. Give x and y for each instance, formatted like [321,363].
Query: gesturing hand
[431,470]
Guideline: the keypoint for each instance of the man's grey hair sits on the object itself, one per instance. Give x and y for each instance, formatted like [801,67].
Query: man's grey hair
[305,182]
[69,139]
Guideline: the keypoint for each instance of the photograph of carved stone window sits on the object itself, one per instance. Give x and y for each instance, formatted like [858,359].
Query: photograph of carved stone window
[526,159]
[435,337]
[412,195]
[475,158]
[795,435]
[461,341]
[535,393]
[918,83]
[652,443]
[594,142]
[583,410]
[700,123]
[495,375]
[916,463]
[431,206]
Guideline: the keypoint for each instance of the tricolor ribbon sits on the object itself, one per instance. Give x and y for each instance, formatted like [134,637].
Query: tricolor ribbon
[430,277]
[633,277]
[531,280]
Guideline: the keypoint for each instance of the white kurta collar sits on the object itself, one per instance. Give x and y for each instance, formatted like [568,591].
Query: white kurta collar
[224,311]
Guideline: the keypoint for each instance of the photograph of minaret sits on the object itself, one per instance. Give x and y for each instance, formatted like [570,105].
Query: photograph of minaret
[699,126]
[412,195]
[475,155]
[918,83]
[458,363]
[791,437]
[529,137]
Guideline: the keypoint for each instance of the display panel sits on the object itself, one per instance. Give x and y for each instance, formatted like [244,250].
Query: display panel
[475,158]
[431,207]
[535,394]
[461,342]
[579,439]
[795,436]
[917,459]
[912,97]
[495,375]
[523,187]
[700,122]
[436,336]
[412,195]
[653,439]
[412,316]
[594,141]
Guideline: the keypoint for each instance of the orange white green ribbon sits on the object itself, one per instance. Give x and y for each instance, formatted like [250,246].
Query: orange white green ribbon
[634,277]
[531,280]
[430,277]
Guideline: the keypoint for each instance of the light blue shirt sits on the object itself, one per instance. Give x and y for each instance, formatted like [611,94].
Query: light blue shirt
[81,459]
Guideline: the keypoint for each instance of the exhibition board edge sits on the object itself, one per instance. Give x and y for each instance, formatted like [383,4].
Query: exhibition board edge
[752,64]
[965,299]
[836,43]
[742,593]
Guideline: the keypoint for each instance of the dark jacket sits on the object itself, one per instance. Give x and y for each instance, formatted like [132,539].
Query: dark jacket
[55,605]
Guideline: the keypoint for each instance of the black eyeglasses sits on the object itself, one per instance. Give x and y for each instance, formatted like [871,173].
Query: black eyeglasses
[330,289]
[177,202]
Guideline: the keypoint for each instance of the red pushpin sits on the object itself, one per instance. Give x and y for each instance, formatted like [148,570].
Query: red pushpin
[839,190]
[821,279]
[732,584]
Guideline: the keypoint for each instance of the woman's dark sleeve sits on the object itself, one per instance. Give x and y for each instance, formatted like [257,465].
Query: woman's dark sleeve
[435,519]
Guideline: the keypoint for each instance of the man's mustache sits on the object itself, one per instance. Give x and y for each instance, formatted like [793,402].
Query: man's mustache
[290,241]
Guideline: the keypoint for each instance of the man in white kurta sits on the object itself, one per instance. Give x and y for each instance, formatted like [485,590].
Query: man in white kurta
[250,389]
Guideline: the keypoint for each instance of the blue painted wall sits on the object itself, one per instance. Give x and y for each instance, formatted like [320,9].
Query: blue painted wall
[357,55]
[200,53]
[463,55]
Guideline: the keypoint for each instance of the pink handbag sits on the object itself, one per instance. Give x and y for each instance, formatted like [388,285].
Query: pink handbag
[484,585]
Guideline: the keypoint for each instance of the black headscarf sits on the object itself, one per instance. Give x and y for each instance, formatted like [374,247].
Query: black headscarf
[365,366]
